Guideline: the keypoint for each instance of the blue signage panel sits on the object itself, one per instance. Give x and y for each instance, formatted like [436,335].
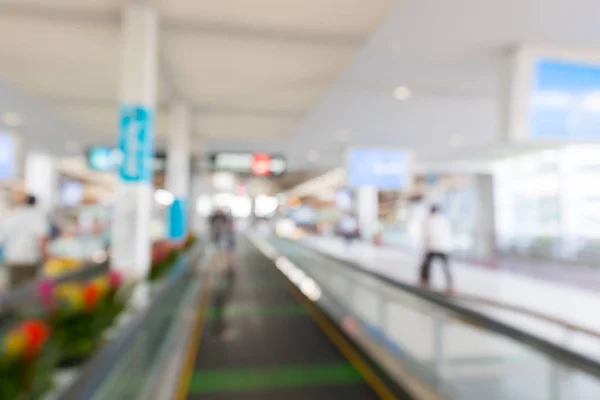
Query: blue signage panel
[565,101]
[7,156]
[136,143]
[383,169]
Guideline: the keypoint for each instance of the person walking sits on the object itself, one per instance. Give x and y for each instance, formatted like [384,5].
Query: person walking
[438,246]
[25,238]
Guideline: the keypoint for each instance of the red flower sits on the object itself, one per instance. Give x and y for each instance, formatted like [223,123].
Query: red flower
[36,333]
[91,295]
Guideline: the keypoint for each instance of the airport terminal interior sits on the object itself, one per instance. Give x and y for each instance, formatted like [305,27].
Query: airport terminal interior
[299,199]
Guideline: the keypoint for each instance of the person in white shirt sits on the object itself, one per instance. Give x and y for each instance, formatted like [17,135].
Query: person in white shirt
[438,245]
[24,237]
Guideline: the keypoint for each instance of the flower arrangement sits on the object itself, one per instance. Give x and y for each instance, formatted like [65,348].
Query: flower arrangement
[165,254]
[58,266]
[27,360]
[80,312]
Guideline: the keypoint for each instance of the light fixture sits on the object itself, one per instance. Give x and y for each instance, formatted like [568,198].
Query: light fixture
[164,197]
[11,119]
[313,156]
[402,93]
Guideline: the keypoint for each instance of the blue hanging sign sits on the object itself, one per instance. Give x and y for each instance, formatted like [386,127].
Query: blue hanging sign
[136,142]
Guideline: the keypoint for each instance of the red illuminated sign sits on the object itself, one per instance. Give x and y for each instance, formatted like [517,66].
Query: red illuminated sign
[261,164]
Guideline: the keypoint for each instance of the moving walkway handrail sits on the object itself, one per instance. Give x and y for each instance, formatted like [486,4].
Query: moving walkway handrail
[28,292]
[96,371]
[530,313]
[478,319]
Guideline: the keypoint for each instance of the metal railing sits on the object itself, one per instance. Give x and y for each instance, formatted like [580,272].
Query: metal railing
[25,296]
[122,368]
[448,350]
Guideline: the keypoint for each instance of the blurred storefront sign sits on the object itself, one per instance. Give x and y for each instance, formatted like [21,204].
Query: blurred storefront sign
[106,159]
[380,168]
[251,164]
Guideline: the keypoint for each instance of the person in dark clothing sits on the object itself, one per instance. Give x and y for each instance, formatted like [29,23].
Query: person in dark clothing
[221,230]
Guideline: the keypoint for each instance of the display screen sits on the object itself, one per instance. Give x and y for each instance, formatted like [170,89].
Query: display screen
[71,193]
[380,168]
[7,156]
[565,101]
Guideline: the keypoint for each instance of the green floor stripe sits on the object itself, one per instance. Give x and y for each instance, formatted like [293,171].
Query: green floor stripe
[254,311]
[273,378]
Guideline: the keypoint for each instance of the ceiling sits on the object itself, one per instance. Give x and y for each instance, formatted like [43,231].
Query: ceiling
[249,70]
[452,55]
[294,76]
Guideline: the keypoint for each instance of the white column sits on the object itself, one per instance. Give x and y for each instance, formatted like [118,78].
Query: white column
[367,211]
[178,172]
[139,65]
[485,212]
[41,179]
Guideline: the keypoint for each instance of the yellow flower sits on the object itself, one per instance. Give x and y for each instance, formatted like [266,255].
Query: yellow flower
[72,293]
[60,265]
[101,283]
[14,343]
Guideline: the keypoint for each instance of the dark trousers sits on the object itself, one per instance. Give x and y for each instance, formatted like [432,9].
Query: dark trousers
[430,257]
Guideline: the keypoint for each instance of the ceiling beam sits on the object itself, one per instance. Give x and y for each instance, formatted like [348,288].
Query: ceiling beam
[244,32]
[112,18]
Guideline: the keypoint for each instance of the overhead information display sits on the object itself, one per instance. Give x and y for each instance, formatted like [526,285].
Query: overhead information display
[380,168]
[565,100]
[552,96]
[254,164]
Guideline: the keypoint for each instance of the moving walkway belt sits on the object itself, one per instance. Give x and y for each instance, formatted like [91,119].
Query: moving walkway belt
[258,341]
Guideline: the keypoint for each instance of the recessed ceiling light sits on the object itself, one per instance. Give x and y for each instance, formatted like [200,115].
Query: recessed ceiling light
[402,93]
[12,119]
[313,155]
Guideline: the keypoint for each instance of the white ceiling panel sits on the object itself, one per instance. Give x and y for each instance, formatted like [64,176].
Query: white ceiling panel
[242,127]
[220,69]
[73,60]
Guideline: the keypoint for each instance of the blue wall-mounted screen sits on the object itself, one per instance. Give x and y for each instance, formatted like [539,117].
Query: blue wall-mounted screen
[565,101]
[7,156]
[381,168]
